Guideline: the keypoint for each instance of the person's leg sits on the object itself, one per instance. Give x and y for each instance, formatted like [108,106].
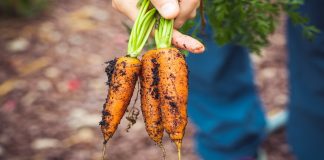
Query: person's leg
[223,103]
[306,65]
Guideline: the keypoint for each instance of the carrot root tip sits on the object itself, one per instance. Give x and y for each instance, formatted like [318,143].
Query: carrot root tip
[179,144]
[163,150]
[103,151]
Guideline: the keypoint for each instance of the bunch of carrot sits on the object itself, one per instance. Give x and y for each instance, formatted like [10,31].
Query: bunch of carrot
[163,77]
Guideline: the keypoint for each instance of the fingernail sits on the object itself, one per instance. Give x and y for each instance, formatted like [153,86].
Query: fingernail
[168,10]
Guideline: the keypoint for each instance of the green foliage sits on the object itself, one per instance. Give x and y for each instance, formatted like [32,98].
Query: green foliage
[141,30]
[163,32]
[309,31]
[24,8]
[249,22]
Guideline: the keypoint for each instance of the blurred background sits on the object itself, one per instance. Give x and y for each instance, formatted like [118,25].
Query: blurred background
[52,84]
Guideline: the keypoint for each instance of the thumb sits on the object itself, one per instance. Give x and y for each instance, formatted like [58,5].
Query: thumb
[168,9]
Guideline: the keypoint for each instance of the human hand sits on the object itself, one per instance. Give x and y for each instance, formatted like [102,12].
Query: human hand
[169,9]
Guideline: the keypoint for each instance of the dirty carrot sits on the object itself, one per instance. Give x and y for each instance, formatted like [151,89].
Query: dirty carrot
[123,73]
[173,84]
[150,98]
[121,87]
[173,89]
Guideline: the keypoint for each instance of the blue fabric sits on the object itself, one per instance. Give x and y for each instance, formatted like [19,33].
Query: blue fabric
[223,102]
[225,107]
[306,66]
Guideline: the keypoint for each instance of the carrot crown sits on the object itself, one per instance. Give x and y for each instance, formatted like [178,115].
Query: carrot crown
[141,30]
[163,33]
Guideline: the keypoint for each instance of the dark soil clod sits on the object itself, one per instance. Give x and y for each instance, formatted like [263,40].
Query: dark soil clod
[173,108]
[110,69]
[168,97]
[155,93]
[155,71]
[105,113]
[122,72]
[173,104]
[103,123]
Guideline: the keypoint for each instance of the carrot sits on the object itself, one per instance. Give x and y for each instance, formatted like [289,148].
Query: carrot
[150,98]
[121,87]
[173,85]
[123,73]
[173,89]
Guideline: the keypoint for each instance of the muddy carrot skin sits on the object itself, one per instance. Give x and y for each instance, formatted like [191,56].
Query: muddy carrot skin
[122,77]
[124,74]
[150,96]
[173,89]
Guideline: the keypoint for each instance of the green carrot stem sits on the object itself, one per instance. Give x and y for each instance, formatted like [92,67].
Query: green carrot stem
[142,14]
[163,34]
[132,39]
[146,37]
[141,30]
[146,26]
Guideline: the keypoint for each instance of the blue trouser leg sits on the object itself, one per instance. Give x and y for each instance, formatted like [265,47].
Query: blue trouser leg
[223,103]
[306,65]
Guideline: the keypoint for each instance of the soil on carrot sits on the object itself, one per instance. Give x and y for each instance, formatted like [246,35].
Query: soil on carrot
[156,79]
[110,69]
[53,85]
[155,71]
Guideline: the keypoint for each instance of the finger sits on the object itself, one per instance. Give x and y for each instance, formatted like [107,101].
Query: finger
[168,9]
[187,11]
[126,7]
[187,43]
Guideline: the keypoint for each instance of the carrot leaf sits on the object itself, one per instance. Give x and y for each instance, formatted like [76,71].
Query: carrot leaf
[141,30]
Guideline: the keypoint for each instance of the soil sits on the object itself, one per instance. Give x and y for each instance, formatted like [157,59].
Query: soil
[110,70]
[53,85]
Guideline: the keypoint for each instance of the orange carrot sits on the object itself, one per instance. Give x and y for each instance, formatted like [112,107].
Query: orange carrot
[150,97]
[121,83]
[125,72]
[173,86]
[173,89]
